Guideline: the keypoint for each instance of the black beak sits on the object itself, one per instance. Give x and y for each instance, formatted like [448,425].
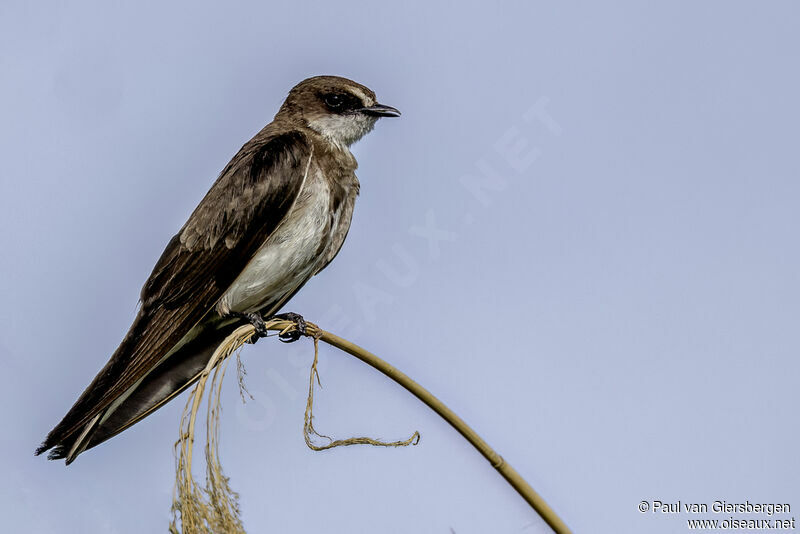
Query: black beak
[379,110]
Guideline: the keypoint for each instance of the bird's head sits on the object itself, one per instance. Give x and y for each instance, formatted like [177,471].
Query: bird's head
[339,109]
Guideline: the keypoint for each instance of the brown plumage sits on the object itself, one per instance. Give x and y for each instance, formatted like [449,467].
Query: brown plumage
[277,215]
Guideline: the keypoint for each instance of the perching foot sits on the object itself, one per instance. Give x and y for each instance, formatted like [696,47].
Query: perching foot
[300,323]
[258,323]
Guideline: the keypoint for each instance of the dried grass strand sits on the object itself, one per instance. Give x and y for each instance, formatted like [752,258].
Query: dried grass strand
[309,432]
[214,507]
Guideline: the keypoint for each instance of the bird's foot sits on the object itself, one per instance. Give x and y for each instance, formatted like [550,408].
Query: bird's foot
[258,323]
[300,326]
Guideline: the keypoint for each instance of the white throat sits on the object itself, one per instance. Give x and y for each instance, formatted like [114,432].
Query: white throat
[343,130]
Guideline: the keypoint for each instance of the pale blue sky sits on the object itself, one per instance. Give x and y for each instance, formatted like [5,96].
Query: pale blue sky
[615,309]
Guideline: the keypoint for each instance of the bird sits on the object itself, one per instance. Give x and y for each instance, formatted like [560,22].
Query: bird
[277,214]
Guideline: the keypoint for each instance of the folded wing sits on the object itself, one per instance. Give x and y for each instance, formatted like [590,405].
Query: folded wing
[244,206]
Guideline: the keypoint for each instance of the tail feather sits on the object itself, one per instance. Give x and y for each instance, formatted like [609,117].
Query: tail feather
[80,443]
[179,370]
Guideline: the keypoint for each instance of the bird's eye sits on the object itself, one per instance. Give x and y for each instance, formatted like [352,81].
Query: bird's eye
[334,100]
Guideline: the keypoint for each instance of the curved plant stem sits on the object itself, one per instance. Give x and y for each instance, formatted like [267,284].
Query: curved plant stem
[505,469]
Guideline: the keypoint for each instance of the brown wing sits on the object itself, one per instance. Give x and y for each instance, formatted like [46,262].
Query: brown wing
[249,199]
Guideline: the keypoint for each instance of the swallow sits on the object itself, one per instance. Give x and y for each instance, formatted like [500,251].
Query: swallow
[277,215]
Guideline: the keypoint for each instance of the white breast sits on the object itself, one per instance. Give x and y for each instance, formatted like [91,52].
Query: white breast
[290,256]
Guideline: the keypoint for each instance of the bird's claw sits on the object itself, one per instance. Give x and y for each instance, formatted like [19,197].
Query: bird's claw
[258,323]
[300,326]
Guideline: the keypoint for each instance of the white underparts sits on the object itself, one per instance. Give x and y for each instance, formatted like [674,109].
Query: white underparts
[291,254]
